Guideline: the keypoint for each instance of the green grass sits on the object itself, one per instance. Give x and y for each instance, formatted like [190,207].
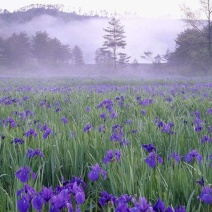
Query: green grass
[67,155]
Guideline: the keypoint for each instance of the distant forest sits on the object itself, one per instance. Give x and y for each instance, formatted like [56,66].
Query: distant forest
[192,48]
[40,49]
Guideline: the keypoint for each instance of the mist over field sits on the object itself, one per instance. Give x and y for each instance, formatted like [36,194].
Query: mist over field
[142,34]
[104,112]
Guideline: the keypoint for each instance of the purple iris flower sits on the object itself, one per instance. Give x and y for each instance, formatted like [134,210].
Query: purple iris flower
[205,138]
[95,171]
[37,202]
[105,198]
[11,122]
[112,156]
[103,116]
[47,132]
[43,127]
[153,159]
[142,205]
[146,102]
[149,147]
[124,142]
[23,174]
[22,115]
[26,191]
[64,120]
[198,125]
[169,209]
[58,110]
[101,128]
[23,204]
[167,128]
[29,113]
[87,109]
[113,115]
[175,156]
[115,137]
[109,157]
[168,99]
[25,98]
[46,193]
[122,202]
[78,193]
[197,113]
[87,128]
[180,209]
[206,195]
[17,141]
[134,131]
[143,112]
[130,121]
[106,103]
[57,104]
[30,133]
[201,181]
[209,111]
[210,129]
[193,154]
[159,206]
[31,153]
[59,201]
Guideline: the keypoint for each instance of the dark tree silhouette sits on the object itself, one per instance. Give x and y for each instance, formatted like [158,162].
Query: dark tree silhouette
[204,28]
[191,49]
[40,47]
[114,39]
[103,56]
[58,53]
[77,56]
[17,49]
[123,59]
[3,58]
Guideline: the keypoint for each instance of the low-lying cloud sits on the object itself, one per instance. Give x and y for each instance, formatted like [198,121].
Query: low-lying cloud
[142,34]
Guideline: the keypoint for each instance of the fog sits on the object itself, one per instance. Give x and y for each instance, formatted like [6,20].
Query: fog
[142,34]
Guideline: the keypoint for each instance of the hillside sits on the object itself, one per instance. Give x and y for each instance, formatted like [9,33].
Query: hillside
[142,34]
[30,12]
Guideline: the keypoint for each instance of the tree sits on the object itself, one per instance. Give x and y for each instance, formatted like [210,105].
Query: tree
[135,64]
[49,51]
[2,51]
[114,39]
[40,47]
[191,49]
[153,59]
[77,56]
[18,49]
[103,57]
[203,27]
[58,53]
[123,59]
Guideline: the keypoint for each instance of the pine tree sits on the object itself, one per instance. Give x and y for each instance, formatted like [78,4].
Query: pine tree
[40,47]
[123,59]
[103,56]
[135,64]
[114,39]
[77,56]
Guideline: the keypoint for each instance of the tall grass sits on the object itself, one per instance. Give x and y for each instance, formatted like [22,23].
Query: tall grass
[69,151]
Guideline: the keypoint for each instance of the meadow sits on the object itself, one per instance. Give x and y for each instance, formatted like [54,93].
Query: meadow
[105,145]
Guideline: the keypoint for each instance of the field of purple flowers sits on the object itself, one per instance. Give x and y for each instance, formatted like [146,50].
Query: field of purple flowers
[98,145]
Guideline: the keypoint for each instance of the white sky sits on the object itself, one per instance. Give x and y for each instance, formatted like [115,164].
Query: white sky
[146,8]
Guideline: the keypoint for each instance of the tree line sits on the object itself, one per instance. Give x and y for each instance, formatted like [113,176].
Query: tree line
[20,50]
[193,46]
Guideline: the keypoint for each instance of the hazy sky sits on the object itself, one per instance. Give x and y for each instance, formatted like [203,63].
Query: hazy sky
[146,8]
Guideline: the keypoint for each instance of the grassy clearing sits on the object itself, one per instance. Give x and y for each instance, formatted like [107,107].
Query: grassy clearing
[69,151]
